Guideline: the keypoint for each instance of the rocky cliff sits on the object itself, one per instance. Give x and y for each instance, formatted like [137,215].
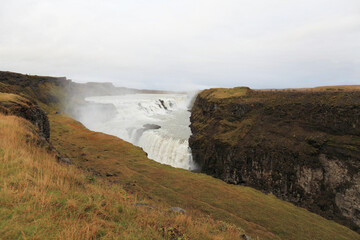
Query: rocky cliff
[301,146]
[12,104]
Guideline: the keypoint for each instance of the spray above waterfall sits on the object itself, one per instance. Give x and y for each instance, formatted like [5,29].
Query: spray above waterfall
[158,123]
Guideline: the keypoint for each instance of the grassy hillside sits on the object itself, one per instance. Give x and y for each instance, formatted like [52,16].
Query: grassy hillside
[42,199]
[260,215]
[113,191]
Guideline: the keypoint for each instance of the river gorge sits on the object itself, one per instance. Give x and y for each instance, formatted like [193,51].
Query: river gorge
[158,123]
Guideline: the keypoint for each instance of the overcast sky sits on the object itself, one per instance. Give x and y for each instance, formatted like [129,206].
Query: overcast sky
[184,44]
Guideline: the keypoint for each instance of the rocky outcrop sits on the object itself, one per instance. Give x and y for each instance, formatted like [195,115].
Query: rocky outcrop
[11,104]
[303,147]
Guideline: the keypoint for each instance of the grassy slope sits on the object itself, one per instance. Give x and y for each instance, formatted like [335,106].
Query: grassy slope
[8,99]
[231,132]
[258,214]
[42,199]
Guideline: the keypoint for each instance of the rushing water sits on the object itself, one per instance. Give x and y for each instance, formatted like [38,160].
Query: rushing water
[159,123]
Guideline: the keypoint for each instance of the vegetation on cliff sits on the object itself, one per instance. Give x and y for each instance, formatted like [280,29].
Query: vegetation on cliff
[112,190]
[301,145]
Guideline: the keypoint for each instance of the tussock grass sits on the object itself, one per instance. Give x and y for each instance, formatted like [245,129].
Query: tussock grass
[42,199]
[9,97]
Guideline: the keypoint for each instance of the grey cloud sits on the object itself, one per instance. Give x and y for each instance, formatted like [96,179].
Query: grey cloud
[184,44]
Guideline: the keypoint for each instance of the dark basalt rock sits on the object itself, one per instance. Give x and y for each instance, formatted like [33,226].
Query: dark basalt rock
[245,237]
[162,104]
[31,112]
[303,147]
[151,126]
[16,105]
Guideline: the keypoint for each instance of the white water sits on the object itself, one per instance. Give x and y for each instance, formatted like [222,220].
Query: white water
[159,123]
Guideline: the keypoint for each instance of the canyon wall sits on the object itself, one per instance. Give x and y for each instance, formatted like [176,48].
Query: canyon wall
[301,146]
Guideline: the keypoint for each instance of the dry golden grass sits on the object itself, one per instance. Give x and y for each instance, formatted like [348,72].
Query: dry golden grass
[222,93]
[42,199]
[9,97]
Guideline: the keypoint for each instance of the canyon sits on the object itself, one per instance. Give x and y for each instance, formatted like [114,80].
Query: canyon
[323,128]
[302,146]
[158,123]
[299,145]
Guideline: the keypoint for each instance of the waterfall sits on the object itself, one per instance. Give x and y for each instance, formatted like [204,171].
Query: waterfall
[158,123]
[167,150]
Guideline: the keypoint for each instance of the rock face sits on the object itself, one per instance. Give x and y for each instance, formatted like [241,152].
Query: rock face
[12,104]
[303,147]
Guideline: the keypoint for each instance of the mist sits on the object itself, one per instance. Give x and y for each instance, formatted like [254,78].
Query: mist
[158,123]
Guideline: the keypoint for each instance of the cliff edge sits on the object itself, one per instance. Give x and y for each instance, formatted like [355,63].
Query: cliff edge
[302,146]
[12,104]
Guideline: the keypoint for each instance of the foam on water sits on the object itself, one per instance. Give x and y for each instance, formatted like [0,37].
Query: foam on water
[159,123]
